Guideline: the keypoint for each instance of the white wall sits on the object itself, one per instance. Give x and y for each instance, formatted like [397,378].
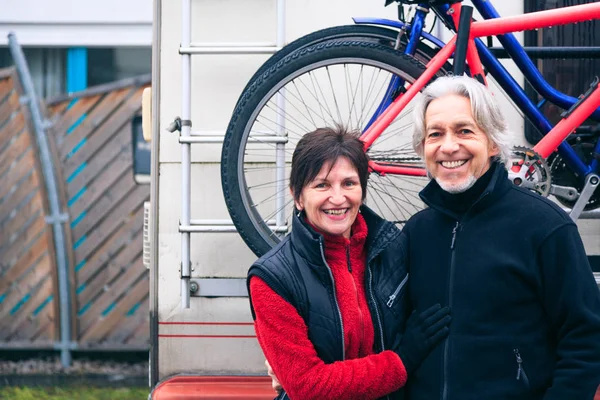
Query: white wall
[77,23]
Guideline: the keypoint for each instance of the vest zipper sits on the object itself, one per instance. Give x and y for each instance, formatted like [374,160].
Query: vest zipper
[334,298]
[379,325]
[450,290]
[392,298]
[379,329]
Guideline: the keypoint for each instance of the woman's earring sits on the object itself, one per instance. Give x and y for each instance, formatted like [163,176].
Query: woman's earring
[299,213]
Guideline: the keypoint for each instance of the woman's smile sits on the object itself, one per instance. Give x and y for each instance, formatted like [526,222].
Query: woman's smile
[338,212]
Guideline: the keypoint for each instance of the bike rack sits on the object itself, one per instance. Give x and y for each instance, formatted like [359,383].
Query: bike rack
[223,287]
[187,138]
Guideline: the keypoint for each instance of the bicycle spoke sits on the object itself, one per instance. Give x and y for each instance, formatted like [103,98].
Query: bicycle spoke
[337,107]
[374,188]
[364,100]
[351,95]
[281,112]
[312,80]
[266,184]
[404,191]
[400,191]
[272,215]
[308,109]
[269,198]
[304,103]
[378,95]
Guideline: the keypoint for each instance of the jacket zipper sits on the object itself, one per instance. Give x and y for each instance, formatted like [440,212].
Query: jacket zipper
[348,259]
[392,298]
[450,289]
[334,298]
[520,369]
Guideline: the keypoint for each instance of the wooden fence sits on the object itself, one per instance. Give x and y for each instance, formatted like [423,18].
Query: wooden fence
[92,139]
[28,299]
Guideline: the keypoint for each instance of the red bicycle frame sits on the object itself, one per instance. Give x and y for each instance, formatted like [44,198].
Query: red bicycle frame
[493,27]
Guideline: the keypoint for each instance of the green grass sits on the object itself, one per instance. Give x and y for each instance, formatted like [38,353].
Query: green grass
[72,393]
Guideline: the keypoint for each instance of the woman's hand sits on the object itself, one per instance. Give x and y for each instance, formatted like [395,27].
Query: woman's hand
[423,332]
[274,382]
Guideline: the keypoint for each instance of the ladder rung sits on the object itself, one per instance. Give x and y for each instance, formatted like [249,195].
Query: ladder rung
[219,139]
[199,222]
[223,228]
[207,228]
[220,287]
[221,49]
[255,132]
[232,44]
[207,133]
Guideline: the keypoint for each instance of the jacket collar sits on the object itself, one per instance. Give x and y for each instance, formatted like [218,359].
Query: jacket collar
[308,243]
[305,240]
[496,188]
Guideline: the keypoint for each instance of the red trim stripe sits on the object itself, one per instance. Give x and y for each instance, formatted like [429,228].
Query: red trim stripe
[208,336]
[207,323]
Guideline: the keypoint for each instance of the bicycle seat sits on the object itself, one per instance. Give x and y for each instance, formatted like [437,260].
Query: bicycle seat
[430,2]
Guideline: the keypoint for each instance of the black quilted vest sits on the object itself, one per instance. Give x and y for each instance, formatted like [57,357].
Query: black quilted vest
[296,270]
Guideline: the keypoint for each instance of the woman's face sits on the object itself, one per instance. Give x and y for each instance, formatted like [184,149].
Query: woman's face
[332,199]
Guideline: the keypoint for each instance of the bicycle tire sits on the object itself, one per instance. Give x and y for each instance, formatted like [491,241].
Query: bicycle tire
[252,218]
[377,34]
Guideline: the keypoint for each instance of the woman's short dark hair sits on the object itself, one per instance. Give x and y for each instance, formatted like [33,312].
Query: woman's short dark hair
[325,146]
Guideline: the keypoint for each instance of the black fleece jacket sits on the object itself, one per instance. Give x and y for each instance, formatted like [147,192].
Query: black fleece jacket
[525,306]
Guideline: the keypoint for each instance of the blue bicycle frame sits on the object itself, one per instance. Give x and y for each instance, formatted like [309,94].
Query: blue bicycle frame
[500,74]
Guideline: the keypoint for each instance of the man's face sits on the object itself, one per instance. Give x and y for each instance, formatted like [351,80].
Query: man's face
[457,152]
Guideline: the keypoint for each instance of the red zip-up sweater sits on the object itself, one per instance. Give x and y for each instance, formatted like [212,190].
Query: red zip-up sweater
[283,335]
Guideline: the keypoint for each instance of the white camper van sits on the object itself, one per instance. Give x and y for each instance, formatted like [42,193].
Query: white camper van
[203,343]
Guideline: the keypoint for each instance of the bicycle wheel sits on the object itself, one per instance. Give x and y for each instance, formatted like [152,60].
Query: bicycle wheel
[332,82]
[366,33]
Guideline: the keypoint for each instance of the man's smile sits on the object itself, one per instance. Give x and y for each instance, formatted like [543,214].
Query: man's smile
[453,164]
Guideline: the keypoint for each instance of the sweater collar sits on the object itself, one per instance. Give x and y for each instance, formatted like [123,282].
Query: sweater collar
[337,242]
[307,242]
[487,189]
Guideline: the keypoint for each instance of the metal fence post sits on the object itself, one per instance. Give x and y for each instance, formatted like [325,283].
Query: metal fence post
[56,217]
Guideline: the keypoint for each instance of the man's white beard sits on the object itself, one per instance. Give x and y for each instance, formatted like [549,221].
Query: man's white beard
[458,187]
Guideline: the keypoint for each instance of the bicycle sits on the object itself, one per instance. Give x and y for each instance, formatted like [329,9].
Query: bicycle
[301,88]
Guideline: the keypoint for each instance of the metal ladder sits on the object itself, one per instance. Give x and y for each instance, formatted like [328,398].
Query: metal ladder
[188,137]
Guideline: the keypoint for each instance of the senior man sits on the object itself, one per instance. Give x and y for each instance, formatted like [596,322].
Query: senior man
[509,263]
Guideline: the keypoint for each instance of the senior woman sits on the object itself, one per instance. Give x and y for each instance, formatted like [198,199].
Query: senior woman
[328,301]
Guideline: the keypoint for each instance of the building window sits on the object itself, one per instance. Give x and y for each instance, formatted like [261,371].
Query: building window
[46,65]
[112,64]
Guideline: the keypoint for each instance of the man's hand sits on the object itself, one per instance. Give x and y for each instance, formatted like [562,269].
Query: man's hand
[423,332]
[274,382]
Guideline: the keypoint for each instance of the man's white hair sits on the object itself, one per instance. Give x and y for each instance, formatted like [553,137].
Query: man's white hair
[485,110]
